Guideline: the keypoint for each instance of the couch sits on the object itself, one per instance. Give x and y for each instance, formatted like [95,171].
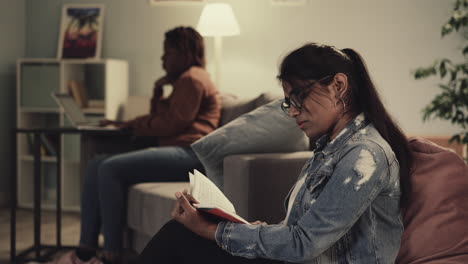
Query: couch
[245,175]
[150,204]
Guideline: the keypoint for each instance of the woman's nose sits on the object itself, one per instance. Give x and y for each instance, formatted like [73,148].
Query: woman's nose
[293,111]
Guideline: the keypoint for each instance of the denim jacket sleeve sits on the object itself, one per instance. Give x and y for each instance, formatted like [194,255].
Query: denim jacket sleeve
[360,174]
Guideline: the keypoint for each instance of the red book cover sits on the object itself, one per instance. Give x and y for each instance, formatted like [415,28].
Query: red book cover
[220,213]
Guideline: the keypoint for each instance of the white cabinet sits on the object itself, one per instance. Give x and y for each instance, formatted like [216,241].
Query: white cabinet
[106,84]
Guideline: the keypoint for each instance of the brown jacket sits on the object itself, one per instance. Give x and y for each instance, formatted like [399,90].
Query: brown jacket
[189,113]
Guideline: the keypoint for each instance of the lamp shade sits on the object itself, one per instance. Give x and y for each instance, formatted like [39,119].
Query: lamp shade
[217,19]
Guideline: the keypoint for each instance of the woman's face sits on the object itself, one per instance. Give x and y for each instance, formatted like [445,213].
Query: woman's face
[174,62]
[319,113]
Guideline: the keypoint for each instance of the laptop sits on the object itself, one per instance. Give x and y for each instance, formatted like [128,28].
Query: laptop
[75,115]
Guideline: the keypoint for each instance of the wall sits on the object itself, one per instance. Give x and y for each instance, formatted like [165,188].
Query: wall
[394,37]
[12,28]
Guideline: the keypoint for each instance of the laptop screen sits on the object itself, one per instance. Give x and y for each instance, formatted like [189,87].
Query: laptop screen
[71,108]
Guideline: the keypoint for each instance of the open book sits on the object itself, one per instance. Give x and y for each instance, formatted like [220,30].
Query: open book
[212,200]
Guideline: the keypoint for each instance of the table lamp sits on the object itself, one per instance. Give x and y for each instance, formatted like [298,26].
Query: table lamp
[218,20]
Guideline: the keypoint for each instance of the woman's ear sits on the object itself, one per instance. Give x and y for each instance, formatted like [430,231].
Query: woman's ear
[340,84]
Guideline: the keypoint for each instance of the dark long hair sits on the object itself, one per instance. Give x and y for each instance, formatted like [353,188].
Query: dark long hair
[188,41]
[314,61]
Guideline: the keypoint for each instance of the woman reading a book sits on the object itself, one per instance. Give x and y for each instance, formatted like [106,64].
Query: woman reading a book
[190,112]
[345,205]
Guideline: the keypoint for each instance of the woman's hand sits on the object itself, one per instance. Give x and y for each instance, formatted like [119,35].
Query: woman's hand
[158,86]
[161,82]
[188,215]
[189,197]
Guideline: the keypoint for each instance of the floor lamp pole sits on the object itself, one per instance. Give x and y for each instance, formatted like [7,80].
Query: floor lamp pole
[218,46]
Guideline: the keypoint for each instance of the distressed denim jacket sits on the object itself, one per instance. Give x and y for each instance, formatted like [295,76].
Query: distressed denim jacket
[347,211]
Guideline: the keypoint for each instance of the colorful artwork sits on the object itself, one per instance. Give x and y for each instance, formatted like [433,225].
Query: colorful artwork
[81,32]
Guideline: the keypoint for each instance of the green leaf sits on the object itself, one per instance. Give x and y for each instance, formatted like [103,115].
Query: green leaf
[442,69]
[455,138]
[421,73]
[463,84]
[465,139]
[427,112]
[453,76]
[444,87]
[446,29]
[459,117]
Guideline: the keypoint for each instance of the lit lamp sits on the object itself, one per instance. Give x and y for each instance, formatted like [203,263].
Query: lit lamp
[218,20]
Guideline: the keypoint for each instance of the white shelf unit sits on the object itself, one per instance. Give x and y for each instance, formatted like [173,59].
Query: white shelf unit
[106,82]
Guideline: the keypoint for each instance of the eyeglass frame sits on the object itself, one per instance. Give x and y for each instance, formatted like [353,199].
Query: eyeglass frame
[301,93]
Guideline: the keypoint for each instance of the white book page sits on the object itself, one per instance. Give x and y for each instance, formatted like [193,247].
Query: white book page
[192,182]
[207,193]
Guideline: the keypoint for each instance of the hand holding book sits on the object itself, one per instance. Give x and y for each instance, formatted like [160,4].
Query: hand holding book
[190,217]
[211,199]
[203,199]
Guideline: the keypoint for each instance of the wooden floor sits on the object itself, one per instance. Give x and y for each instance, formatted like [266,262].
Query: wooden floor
[24,233]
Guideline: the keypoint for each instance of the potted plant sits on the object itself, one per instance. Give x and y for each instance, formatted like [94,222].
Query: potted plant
[452,101]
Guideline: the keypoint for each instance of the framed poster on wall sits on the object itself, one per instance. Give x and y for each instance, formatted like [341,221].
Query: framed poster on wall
[81,31]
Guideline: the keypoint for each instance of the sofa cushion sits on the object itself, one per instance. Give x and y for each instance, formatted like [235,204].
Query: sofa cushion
[264,130]
[233,107]
[436,216]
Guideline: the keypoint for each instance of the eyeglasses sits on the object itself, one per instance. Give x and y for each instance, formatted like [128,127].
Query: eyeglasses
[298,95]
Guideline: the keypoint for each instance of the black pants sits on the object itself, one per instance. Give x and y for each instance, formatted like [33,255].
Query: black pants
[176,244]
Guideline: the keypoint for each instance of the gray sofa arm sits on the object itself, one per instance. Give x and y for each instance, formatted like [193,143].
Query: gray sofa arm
[258,183]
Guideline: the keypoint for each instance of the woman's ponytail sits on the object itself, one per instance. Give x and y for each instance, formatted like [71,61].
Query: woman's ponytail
[366,96]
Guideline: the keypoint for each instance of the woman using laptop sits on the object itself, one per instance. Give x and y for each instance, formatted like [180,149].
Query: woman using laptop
[189,113]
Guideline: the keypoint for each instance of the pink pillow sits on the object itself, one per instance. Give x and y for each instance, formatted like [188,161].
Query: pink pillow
[436,217]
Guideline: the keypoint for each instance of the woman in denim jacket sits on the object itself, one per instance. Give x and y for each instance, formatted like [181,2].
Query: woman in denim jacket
[344,207]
